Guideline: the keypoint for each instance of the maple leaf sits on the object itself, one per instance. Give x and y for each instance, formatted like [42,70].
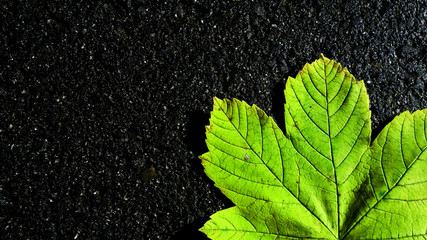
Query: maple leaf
[321,178]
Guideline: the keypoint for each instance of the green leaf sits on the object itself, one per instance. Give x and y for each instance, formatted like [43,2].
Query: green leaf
[321,178]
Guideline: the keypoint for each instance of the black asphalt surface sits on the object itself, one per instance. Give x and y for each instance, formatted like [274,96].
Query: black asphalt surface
[103,104]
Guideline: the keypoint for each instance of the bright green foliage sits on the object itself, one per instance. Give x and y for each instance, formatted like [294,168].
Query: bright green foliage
[321,178]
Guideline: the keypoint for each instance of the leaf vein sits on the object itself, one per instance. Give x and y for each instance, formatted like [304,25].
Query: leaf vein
[305,87]
[339,90]
[351,114]
[299,101]
[296,149]
[305,140]
[312,82]
[354,144]
[385,195]
[342,104]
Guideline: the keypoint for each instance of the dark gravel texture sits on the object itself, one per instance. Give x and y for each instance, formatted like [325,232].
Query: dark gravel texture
[103,105]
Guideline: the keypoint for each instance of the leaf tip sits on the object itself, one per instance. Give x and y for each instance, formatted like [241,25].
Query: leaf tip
[322,56]
[216,101]
[203,158]
[203,230]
